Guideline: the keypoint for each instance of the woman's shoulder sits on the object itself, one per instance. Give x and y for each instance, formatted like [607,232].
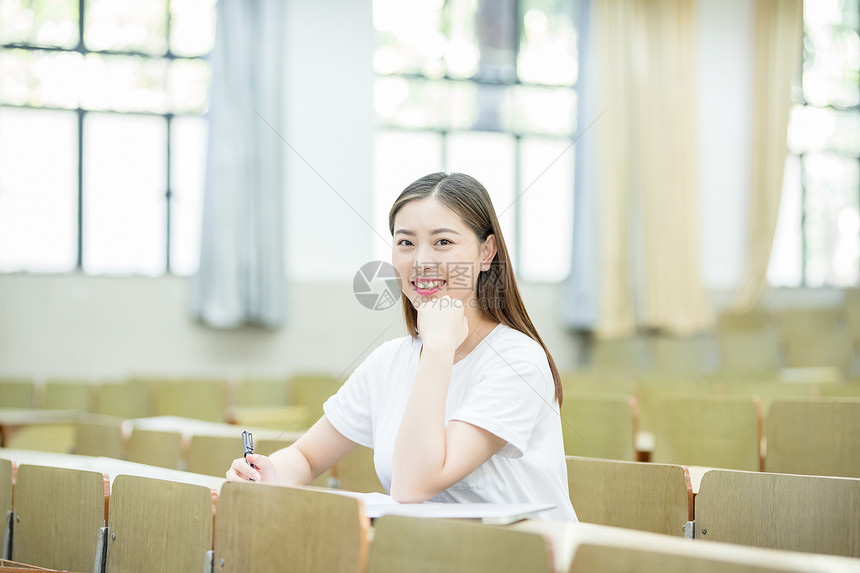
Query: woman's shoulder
[514,340]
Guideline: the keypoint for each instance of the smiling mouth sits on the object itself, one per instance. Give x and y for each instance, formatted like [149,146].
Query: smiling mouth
[427,286]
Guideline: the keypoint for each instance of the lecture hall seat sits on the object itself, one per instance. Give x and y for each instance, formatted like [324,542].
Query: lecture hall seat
[308,530]
[421,545]
[634,495]
[58,513]
[813,514]
[814,437]
[159,526]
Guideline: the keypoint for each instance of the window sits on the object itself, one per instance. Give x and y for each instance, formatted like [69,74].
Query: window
[102,138]
[821,194]
[485,87]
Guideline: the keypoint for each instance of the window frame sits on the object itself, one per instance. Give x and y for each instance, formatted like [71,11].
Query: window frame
[81,113]
[516,135]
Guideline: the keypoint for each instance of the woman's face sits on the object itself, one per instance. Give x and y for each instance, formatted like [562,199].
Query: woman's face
[436,254]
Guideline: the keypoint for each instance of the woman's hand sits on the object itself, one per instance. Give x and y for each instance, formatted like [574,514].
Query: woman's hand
[442,323]
[240,470]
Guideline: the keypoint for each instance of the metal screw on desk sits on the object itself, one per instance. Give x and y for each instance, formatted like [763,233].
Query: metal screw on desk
[221,563]
[113,536]
[17,519]
[704,531]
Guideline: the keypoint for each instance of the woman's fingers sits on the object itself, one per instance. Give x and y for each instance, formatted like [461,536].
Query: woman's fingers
[241,470]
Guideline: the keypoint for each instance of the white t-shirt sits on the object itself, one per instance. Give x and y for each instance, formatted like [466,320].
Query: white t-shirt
[504,386]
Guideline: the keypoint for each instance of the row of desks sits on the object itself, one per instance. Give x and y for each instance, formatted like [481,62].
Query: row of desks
[258,527]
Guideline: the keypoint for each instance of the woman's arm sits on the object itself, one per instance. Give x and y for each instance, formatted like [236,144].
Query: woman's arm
[313,453]
[429,457]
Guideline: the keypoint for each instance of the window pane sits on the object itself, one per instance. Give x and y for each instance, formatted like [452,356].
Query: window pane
[124,186]
[36,78]
[815,129]
[188,86]
[548,53]
[125,83]
[126,25]
[490,158]
[481,40]
[546,204]
[399,158]
[832,219]
[409,37]
[188,167]
[786,259]
[192,27]
[831,53]
[39,22]
[544,111]
[422,104]
[38,191]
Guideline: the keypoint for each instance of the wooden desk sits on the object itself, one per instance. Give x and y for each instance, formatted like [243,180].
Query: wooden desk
[566,537]
[13,418]
[190,427]
[109,466]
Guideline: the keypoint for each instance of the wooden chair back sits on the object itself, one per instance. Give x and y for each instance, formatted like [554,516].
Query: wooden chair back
[708,431]
[683,356]
[199,399]
[356,472]
[128,399]
[58,514]
[311,391]
[17,394]
[159,526]
[5,486]
[261,393]
[421,545]
[619,354]
[155,448]
[591,557]
[812,514]
[633,495]
[47,437]
[212,455]
[599,426]
[306,529]
[100,436]
[814,437]
[67,395]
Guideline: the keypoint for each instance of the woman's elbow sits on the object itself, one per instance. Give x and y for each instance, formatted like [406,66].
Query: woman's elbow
[409,493]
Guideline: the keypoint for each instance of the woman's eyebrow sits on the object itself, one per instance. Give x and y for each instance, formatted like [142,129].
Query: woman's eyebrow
[433,232]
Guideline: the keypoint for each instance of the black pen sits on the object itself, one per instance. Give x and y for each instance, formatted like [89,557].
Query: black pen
[248,443]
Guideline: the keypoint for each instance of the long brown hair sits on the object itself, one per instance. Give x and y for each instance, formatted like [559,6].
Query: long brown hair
[498,296]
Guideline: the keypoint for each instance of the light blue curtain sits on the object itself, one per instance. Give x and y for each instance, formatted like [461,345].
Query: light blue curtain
[581,294]
[241,278]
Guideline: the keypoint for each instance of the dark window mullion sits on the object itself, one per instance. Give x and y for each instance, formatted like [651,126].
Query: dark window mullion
[79,264]
[168,194]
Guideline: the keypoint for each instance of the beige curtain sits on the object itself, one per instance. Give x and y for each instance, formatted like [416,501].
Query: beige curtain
[778,36]
[647,168]
[612,20]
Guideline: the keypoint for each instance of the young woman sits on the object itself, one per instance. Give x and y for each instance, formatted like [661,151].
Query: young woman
[465,408]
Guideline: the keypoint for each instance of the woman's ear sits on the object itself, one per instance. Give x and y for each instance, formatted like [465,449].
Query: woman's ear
[488,252]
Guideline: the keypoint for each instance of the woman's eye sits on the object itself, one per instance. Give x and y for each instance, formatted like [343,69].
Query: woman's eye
[443,242]
[403,243]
